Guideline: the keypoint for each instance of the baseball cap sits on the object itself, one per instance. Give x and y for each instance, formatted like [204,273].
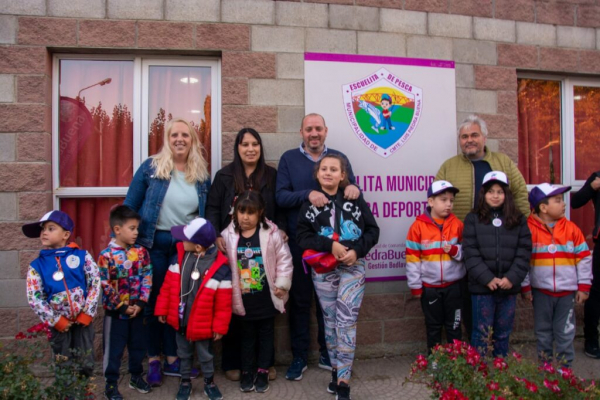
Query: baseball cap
[495,176]
[438,187]
[198,231]
[34,229]
[545,190]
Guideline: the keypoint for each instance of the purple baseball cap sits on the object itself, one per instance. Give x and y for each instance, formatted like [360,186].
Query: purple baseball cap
[545,190]
[198,231]
[34,229]
[438,187]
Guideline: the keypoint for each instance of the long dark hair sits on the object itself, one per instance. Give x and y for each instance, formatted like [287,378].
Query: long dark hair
[512,215]
[343,166]
[239,172]
[251,202]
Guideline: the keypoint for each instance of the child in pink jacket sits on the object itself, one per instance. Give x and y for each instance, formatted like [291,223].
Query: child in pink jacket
[261,265]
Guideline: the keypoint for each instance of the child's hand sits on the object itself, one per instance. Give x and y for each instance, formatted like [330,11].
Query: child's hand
[217,336]
[447,248]
[493,284]
[136,311]
[284,236]
[581,297]
[162,319]
[349,258]
[417,296]
[130,310]
[279,293]
[505,284]
[527,296]
[220,242]
[338,250]
[68,326]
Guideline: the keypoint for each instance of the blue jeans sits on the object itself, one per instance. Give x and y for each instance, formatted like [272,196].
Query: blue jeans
[161,337]
[496,313]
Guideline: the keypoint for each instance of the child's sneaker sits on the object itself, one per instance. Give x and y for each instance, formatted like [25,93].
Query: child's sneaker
[247,382]
[343,392]
[211,389]
[111,392]
[185,391]
[261,383]
[173,370]
[138,383]
[332,387]
[154,373]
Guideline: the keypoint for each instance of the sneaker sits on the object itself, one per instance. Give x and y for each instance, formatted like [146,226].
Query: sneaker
[272,373]
[173,370]
[211,389]
[138,383]
[332,387]
[154,374]
[294,372]
[247,382]
[325,362]
[185,391]
[261,382]
[111,392]
[233,374]
[592,351]
[343,392]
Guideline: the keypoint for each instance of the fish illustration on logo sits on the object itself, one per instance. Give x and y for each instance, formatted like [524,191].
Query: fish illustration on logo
[383,110]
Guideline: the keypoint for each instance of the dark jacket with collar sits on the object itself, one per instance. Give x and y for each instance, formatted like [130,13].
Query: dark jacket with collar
[354,224]
[219,205]
[495,252]
[586,194]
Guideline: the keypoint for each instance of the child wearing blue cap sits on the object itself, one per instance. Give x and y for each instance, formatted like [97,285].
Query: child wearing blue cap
[63,287]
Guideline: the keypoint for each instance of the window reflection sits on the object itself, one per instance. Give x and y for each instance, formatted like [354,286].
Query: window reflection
[539,130]
[587,130]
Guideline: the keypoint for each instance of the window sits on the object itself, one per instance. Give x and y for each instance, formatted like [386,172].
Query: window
[109,115]
[559,135]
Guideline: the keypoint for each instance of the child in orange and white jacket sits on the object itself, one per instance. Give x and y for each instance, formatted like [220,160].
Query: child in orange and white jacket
[433,264]
[560,272]
[195,299]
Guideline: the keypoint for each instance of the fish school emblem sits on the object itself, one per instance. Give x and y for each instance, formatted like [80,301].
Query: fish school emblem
[383,110]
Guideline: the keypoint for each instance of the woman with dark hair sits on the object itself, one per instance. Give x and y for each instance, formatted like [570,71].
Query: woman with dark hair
[247,171]
[497,250]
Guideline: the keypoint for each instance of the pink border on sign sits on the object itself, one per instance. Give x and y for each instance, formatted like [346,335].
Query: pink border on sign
[419,62]
[386,278]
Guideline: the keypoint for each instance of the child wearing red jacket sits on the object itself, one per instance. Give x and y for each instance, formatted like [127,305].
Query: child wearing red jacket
[195,299]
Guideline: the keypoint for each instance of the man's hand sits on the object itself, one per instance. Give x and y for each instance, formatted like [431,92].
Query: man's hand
[581,297]
[351,192]
[220,242]
[317,199]
[595,184]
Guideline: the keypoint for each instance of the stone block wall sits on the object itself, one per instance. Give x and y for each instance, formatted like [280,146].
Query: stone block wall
[261,45]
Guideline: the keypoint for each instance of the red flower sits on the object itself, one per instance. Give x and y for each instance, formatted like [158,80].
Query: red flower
[548,367]
[20,336]
[532,387]
[421,362]
[552,385]
[566,373]
[500,364]
[493,385]
[473,356]
[517,356]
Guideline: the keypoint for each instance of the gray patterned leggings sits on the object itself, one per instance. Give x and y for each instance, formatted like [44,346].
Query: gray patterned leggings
[340,293]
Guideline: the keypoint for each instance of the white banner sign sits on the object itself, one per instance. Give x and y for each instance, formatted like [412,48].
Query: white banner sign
[395,119]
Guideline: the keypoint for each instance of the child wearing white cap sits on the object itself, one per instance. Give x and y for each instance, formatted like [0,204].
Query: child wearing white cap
[560,273]
[195,299]
[497,248]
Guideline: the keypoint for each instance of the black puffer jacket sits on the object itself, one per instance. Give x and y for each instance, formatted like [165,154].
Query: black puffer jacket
[495,252]
[586,194]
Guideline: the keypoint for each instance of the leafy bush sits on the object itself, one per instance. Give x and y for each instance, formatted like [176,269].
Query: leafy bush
[457,371]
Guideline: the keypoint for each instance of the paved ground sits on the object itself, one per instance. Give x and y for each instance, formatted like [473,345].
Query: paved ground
[372,379]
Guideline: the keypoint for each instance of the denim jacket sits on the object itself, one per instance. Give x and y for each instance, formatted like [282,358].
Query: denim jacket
[146,194]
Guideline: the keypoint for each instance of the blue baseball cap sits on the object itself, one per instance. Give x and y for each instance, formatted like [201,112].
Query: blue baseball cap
[198,231]
[438,187]
[34,229]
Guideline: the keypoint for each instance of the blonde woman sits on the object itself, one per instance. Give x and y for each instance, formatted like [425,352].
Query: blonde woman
[169,188]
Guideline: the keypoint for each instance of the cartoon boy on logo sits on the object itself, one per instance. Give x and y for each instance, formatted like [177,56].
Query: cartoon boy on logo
[386,105]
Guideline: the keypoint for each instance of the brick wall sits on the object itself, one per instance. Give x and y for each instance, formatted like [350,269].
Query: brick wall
[261,43]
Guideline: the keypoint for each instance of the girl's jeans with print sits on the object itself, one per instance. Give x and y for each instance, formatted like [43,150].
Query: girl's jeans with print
[495,313]
[340,294]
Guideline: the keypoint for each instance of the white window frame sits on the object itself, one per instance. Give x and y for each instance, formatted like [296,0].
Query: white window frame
[567,130]
[139,115]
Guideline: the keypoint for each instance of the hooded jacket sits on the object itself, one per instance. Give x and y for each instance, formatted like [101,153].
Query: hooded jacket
[585,194]
[74,297]
[211,310]
[495,252]
[568,268]
[277,262]
[426,262]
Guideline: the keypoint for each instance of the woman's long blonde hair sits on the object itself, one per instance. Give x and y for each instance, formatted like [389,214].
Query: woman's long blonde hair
[196,167]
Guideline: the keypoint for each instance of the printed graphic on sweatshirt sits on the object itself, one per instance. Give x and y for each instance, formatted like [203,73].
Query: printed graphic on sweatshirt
[383,110]
[252,270]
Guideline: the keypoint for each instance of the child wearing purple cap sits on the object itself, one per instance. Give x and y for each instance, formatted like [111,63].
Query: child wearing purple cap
[63,287]
[560,273]
[195,299]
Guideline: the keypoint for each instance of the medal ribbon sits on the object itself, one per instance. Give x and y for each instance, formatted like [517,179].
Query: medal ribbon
[66,287]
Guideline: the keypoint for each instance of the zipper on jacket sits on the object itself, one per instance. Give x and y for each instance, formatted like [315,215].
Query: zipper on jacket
[497,248]
[441,257]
